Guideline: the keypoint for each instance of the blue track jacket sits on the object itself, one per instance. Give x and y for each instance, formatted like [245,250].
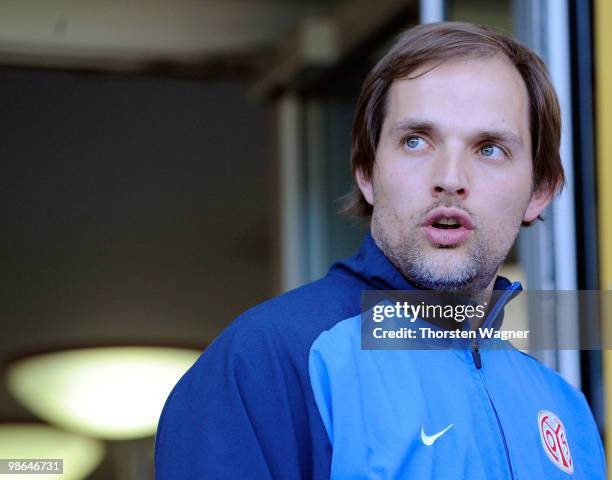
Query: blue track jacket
[286,392]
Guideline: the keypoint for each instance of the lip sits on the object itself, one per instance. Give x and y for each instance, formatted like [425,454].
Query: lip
[447,237]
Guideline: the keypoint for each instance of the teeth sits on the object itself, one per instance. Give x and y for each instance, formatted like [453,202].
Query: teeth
[448,221]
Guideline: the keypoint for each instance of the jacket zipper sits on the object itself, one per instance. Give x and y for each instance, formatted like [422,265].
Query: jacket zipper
[476,354]
[498,306]
[499,425]
[478,362]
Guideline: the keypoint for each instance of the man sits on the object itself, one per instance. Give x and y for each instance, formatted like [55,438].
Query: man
[455,146]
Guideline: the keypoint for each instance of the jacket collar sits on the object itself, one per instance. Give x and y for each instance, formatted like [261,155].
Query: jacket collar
[372,267]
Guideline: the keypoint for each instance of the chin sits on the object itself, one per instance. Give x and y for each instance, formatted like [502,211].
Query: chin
[446,260]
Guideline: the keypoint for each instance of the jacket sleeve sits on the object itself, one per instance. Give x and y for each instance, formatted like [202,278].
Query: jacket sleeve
[239,412]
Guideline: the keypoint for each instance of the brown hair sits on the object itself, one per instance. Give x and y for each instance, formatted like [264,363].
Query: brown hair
[439,42]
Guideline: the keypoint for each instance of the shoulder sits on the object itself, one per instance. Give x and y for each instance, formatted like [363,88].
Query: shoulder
[553,378]
[267,347]
[250,392]
[287,325]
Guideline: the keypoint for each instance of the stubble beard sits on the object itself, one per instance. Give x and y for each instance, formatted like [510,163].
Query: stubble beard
[407,253]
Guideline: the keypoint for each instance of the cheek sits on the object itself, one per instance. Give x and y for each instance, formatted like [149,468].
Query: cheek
[401,188]
[505,204]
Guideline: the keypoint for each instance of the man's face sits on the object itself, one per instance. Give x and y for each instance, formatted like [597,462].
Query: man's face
[452,177]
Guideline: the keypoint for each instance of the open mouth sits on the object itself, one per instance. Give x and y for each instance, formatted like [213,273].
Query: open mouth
[447,227]
[446,224]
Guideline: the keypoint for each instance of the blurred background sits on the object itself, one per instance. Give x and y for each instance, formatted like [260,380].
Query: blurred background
[170,164]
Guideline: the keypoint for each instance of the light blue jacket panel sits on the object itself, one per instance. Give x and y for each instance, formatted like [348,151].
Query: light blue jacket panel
[378,406]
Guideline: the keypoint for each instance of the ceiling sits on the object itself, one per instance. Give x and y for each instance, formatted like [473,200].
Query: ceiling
[145,35]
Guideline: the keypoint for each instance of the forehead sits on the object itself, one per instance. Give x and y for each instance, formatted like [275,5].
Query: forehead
[463,96]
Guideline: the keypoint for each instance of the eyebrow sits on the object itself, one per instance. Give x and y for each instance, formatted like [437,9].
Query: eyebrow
[425,126]
[413,125]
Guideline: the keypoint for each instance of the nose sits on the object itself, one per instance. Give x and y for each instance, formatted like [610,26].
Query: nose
[450,178]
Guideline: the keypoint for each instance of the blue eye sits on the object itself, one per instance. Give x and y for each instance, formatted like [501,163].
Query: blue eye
[490,150]
[412,142]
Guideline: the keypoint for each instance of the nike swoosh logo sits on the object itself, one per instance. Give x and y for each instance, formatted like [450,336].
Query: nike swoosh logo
[430,439]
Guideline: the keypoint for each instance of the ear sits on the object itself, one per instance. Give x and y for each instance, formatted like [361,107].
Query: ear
[538,202]
[365,185]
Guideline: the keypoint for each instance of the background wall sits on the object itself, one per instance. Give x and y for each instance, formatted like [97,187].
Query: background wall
[132,209]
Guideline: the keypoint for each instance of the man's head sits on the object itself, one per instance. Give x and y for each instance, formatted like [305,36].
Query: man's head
[457,124]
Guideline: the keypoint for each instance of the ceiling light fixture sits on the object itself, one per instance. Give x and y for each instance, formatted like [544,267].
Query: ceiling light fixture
[111,393]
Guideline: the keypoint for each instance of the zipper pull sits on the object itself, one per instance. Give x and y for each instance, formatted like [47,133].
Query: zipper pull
[476,355]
